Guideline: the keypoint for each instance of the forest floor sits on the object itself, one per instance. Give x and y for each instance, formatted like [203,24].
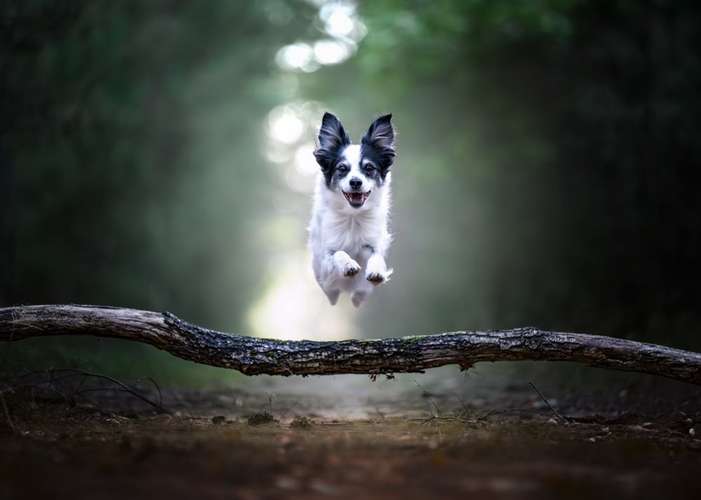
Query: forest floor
[251,444]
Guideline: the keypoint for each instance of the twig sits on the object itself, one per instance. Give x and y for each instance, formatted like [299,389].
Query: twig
[73,372]
[158,389]
[436,410]
[122,386]
[547,403]
[7,414]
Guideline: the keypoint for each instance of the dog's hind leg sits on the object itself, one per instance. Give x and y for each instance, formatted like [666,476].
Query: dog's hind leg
[333,295]
[335,271]
[324,274]
[359,297]
[362,292]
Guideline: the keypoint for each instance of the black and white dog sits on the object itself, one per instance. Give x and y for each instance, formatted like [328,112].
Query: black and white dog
[348,230]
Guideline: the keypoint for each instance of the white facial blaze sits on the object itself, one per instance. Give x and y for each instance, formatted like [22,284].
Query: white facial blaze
[352,156]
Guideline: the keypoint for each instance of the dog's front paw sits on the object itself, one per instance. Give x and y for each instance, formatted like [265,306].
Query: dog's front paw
[351,268]
[376,278]
[377,272]
[345,265]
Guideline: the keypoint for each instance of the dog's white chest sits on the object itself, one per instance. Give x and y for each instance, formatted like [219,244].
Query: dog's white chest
[350,233]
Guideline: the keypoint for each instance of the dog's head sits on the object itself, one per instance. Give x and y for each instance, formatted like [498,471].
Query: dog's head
[354,171]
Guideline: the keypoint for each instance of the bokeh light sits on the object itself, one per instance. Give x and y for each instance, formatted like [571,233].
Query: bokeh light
[342,21]
[328,52]
[297,57]
[284,125]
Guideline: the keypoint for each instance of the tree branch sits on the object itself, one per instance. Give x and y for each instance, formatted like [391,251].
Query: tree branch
[254,356]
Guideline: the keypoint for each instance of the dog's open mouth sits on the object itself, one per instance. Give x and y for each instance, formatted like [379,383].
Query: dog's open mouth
[356,199]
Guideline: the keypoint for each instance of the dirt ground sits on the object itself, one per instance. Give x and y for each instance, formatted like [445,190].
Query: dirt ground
[253,444]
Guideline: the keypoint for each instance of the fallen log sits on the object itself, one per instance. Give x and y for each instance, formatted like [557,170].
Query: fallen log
[254,356]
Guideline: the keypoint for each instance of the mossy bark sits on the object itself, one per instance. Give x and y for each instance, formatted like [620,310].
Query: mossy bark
[254,356]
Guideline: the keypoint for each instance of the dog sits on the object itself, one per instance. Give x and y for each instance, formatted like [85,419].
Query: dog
[348,232]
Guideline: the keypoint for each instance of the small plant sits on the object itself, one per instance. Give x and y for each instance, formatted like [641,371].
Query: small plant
[300,422]
[261,418]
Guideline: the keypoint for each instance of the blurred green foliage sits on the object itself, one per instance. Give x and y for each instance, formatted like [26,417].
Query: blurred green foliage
[546,172]
[119,139]
[552,159]
[106,181]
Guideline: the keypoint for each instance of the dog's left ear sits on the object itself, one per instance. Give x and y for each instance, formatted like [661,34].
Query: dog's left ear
[380,136]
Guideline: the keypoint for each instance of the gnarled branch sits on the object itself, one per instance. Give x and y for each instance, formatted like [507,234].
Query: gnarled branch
[254,356]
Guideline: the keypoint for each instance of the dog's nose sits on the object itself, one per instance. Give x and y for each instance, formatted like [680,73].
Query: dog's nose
[355,183]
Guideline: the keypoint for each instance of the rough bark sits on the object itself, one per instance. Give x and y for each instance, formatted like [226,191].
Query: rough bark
[254,356]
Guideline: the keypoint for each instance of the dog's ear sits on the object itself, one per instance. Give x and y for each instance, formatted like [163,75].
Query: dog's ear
[380,137]
[332,137]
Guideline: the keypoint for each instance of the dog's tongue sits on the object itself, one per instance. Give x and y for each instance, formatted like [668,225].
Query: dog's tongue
[356,199]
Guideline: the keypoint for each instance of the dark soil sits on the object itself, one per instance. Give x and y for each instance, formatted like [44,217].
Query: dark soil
[237,444]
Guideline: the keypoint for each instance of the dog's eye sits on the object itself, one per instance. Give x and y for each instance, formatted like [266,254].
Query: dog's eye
[369,167]
[342,168]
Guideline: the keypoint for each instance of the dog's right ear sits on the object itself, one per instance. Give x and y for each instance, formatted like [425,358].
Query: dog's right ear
[332,137]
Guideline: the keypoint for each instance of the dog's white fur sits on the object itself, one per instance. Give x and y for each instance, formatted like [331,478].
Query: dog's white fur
[345,240]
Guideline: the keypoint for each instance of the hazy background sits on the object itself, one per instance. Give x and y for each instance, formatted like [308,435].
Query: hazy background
[157,155]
